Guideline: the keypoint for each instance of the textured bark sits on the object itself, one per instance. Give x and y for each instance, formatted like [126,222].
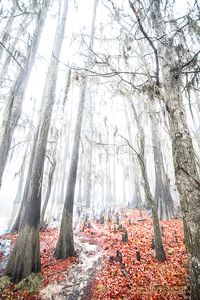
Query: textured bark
[24,257]
[20,266]
[186,175]
[63,250]
[188,184]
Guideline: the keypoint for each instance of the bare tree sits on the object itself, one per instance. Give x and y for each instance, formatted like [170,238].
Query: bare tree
[169,61]
[13,109]
[160,254]
[162,190]
[65,244]
[25,256]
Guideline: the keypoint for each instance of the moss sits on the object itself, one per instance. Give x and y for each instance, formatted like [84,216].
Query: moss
[4,282]
[31,283]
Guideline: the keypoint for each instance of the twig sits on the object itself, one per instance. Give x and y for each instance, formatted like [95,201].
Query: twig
[149,40]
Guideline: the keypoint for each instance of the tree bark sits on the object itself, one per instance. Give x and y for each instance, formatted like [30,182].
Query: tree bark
[25,257]
[186,174]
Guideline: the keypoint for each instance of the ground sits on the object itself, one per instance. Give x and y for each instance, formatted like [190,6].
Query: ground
[95,274]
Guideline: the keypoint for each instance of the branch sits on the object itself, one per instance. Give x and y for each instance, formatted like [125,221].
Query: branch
[192,60]
[103,144]
[149,40]
[10,54]
[19,144]
[19,15]
[109,74]
[192,71]
[129,144]
[51,162]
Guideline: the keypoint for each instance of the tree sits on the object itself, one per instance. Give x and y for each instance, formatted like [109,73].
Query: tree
[186,174]
[65,243]
[25,257]
[160,254]
[162,190]
[13,109]
[52,166]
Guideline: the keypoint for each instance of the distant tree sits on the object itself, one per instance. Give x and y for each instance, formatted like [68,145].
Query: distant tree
[162,189]
[160,254]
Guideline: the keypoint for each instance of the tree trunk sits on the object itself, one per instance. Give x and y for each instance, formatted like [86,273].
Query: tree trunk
[25,257]
[13,111]
[186,174]
[160,254]
[136,199]
[162,191]
[188,184]
[20,216]
[65,244]
[18,199]
[48,192]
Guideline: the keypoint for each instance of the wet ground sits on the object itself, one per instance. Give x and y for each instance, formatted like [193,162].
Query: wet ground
[4,252]
[77,285]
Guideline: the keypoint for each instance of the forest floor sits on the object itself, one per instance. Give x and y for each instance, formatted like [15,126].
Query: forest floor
[95,274]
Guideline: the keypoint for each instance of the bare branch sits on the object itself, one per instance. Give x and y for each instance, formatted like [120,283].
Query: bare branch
[51,162]
[129,144]
[19,144]
[191,61]
[10,54]
[149,40]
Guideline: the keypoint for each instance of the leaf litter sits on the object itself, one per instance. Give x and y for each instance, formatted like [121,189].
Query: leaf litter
[94,274]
